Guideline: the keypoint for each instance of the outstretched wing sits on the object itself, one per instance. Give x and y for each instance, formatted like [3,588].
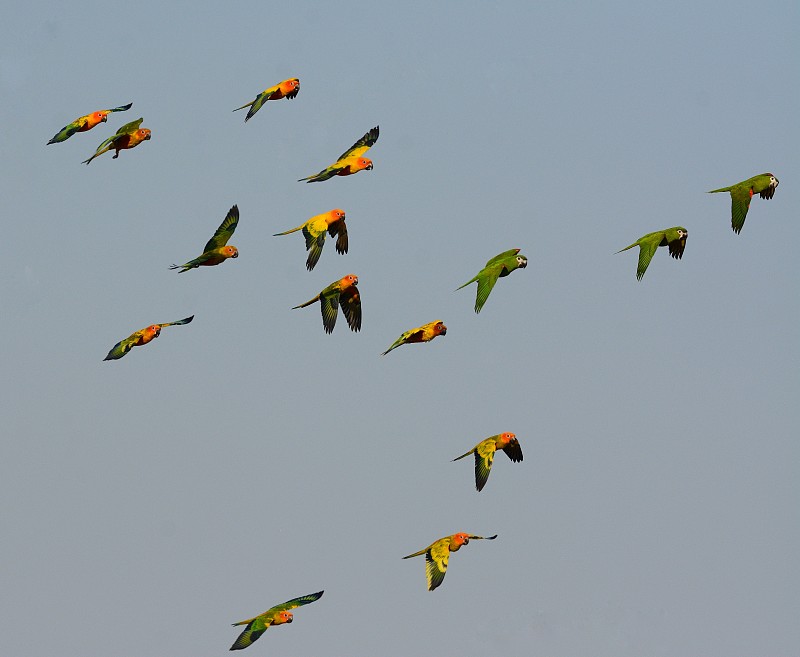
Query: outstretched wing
[255,628]
[740,204]
[436,559]
[294,602]
[314,243]
[121,108]
[486,281]
[647,250]
[362,145]
[350,300]
[179,322]
[513,450]
[484,457]
[224,231]
[329,304]
[130,128]
[123,347]
[502,256]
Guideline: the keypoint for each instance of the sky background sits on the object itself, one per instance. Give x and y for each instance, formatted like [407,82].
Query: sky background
[249,458]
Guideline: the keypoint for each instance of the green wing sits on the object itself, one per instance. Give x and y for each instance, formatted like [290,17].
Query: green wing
[502,256]
[121,348]
[314,243]
[325,174]
[740,204]
[484,457]
[350,300]
[436,559]
[255,628]
[362,145]
[486,281]
[121,108]
[294,602]
[179,322]
[647,249]
[66,132]
[224,231]
[127,129]
[329,304]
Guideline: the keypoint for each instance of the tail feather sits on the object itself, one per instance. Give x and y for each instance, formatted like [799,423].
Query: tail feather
[245,105]
[627,247]
[721,189]
[307,303]
[293,230]
[471,280]
[458,458]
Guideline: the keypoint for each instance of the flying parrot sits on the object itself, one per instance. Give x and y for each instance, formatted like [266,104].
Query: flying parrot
[216,250]
[344,292]
[424,333]
[674,238]
[286,89]
[741,194]
[314,231]
[350,161]
[84,123]
[141,337]
[277,615]
[127,136]
[484,455]
[501,265]
[437,555]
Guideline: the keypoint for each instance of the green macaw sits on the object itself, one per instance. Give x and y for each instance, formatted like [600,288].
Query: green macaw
[277,615]
[674,238]
[437,554]
[350,161]
[128,136]
[741,193]
[498,267]
[344,292]
[484,455]
[141,337]
[87,122]
[424,333]
[314,231]
[216,250]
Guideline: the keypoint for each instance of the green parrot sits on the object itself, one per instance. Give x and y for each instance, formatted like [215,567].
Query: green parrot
[498,267]
[741,193]
[674,238]
[484,455]
[216,250]
[277,615]
[344,292]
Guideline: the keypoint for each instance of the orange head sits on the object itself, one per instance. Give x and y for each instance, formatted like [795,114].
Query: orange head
[348,281]
[283,617]
[505,439]
[457,540]
[439,328]
[230,251]
[101,116]
[363,163]
[335,215]
[142,134]
[150,333]
[290,87]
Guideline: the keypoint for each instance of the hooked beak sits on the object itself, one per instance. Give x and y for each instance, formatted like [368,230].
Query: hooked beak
[369,167]
[235,255]
[444,330]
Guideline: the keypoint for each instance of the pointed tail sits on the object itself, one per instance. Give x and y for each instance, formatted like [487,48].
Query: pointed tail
[307,303]
[721,189]
[293,230]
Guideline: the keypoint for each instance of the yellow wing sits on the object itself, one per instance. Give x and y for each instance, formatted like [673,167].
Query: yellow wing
[362,145]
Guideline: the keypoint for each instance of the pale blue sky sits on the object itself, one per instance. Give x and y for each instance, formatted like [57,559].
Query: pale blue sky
[249,458]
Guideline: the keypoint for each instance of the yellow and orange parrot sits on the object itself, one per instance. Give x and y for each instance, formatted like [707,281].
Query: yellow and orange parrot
[84,123]
[216,250]
[424,333]
[314,231]
[286,89]
[128,136]
[141,337]
[484,455]
[344,292]
[437,554]
[277,615]
[350,161]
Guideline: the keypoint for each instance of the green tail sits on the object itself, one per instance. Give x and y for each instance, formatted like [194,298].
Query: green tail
[721,189]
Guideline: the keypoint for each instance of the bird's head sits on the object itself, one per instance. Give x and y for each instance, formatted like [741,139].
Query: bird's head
[348,281]
[682,233]
[336,215]
[522,261]
[773,181]
[506,438]
[230,252]
[439,328]
[143,133]
[153,331]
[364,163]
[290,87]
[283,617]
[101,116]
[457,540]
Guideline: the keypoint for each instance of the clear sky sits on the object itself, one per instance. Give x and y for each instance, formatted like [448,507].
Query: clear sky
[249,458]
